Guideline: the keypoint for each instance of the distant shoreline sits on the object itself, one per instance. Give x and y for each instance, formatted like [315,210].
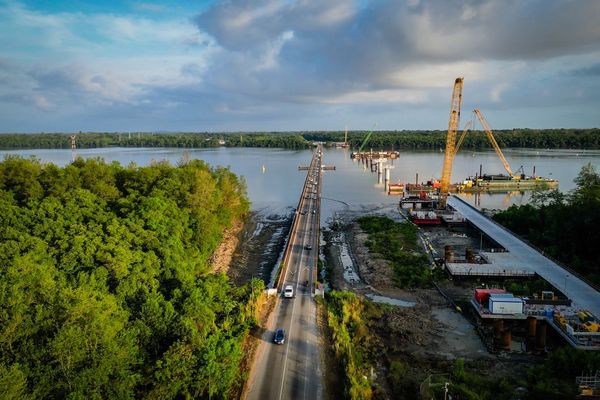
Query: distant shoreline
[398,140]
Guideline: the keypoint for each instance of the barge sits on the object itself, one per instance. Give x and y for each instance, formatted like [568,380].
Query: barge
[499,183]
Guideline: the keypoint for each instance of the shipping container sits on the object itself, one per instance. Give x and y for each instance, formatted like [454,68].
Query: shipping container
[482,295]
[502,304]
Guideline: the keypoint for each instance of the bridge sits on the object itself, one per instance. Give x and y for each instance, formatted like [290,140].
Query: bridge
[575,288]
[292,370]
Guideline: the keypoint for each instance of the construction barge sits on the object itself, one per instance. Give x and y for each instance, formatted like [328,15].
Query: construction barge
[485,183]
[504,183]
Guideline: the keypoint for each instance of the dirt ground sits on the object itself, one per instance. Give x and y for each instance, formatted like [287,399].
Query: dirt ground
[221,259]
[426,337]
[260,243]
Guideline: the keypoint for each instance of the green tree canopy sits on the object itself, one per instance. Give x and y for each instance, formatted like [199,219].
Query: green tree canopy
[105,282]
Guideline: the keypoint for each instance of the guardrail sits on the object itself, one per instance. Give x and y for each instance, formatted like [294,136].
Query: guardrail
[313,290]
[534,247]
[284,261]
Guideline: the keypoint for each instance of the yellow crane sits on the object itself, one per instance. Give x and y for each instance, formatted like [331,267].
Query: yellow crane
[453,123]
[490,135]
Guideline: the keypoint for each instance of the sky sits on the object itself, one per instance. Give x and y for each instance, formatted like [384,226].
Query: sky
[294,65]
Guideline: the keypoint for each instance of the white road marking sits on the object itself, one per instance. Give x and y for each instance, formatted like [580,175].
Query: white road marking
[293,310]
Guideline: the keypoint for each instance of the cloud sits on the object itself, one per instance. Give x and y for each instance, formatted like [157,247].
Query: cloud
[339,49]
[301,63]
[591,71]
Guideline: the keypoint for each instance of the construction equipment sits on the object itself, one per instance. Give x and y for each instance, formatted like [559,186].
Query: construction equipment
[585,316]
[366,139]
[547,295]
[590,326]
[468,126]
[490,135]
[346,138]
[453,124]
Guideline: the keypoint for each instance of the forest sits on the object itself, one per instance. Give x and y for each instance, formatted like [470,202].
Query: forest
[106,288]
[564,226]
[398,140]
[145,139]
[435,140]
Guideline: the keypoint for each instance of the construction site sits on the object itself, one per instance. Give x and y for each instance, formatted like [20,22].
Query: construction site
[517,299]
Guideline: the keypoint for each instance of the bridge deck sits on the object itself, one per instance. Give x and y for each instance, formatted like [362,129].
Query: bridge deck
[582,294]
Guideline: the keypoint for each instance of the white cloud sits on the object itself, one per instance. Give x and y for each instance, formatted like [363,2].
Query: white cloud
[41,102]
[111,58]
[497,90]
[269,58]
[246,60]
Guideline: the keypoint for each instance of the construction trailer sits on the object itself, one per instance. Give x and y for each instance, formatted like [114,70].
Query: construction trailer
[505,303]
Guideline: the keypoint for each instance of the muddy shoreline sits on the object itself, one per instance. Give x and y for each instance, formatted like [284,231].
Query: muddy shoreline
[260,243]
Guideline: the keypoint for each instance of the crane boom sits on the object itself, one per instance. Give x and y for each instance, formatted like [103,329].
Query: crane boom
[461,139]
[450,140]
[366,139]
[490,135]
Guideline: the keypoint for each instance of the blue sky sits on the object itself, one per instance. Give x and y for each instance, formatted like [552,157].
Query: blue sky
[290,65]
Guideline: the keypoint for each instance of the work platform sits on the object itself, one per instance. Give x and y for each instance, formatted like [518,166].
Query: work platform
[575,288]
[578,340]
[496,265]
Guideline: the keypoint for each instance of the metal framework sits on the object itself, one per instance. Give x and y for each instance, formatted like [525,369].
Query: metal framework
[366,138]
[490,135]
[451,140]
[468,126]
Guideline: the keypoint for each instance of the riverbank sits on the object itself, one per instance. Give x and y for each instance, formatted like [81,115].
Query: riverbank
[260,243]
[414,331]
[221,259]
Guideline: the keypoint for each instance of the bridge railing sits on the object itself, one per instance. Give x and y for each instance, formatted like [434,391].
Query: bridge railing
[282,267]
[534,247]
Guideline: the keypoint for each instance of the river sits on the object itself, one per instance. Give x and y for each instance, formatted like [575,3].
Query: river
[278,184]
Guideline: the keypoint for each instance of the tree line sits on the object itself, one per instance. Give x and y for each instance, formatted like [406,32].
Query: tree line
[145,139]
[398,140]
[435,140]
[106,288]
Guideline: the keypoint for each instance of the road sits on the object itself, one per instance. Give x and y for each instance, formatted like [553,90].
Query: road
[582,294]
[292,370]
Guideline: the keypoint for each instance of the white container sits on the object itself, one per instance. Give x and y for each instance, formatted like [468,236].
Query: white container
[505,305]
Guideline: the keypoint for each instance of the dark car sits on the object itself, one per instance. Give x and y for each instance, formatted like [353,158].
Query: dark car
[308,247]
[279,337]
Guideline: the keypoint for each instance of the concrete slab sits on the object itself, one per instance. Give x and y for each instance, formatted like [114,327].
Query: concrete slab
[582,294]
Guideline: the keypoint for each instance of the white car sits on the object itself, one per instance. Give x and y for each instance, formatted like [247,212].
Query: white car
[288,291]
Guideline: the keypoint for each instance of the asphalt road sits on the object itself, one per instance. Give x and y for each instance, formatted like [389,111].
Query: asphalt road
[292,370]
[582,294]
